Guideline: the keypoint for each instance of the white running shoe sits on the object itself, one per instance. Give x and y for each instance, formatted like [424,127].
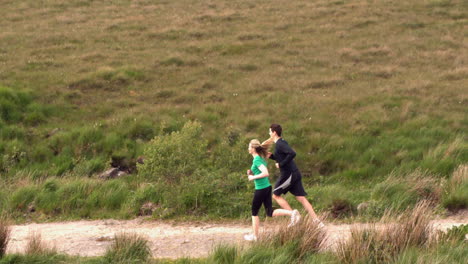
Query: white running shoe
[295,218]
[250,237]
[320,224]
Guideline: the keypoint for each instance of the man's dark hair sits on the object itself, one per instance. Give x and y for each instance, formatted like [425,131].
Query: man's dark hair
[276,128]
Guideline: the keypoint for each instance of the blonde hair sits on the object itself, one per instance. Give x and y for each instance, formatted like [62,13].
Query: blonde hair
[261,148]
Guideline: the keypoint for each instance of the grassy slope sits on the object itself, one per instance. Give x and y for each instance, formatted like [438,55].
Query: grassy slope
[362,88]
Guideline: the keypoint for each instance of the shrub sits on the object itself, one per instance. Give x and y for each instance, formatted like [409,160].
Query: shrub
[170,157]
[231,153]
[142,129]
[128,248]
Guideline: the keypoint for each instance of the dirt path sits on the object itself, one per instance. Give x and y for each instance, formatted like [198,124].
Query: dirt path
[91,238]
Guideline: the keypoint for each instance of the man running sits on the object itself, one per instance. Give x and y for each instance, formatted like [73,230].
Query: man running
[290,179]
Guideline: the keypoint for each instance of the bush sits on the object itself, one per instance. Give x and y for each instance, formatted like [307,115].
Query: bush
[128,248]
[170,157]
[142,129]
[231,154]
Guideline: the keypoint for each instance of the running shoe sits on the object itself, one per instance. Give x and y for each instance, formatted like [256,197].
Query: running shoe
[320,224]
[295,218]
[250,237]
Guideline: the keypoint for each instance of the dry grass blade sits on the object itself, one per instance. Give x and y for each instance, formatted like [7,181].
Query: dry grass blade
[311,238]
[459,176]
[382,244]
[359,245]
[36,246]
[5,232]
[128,247]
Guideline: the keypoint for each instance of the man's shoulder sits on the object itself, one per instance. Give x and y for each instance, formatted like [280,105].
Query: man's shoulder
[281,141]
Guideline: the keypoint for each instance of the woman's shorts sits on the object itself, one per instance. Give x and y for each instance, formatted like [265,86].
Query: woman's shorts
[262,196]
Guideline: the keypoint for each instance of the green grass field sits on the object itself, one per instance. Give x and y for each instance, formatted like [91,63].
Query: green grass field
[367,92]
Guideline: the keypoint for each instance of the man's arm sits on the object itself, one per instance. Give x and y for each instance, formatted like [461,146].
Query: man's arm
[271,156]
[290,154]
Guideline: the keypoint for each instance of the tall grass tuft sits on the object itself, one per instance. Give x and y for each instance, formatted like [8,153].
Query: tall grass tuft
[452,236]
[35,246]
[224,254]
[128,248]
[308,236]
[374,244]
[5,232]
[456,193]
[400,191]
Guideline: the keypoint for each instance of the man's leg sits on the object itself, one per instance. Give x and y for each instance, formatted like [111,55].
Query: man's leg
[282,202]
[305,203]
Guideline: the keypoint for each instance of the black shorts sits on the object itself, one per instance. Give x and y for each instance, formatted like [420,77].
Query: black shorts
[262,196]
[290,182]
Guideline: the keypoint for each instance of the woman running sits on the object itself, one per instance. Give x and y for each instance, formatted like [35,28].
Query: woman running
[259,174]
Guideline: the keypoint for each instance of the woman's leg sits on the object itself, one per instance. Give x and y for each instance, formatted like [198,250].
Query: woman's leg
[282,212]
[256,204]
[255,225]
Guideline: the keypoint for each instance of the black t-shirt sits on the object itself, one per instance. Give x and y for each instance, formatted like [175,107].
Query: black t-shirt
[284,155]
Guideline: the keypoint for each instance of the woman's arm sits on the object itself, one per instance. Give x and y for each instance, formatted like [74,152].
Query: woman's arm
[264,173]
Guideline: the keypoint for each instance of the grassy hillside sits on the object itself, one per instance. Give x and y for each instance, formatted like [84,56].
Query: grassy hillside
[371,94]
